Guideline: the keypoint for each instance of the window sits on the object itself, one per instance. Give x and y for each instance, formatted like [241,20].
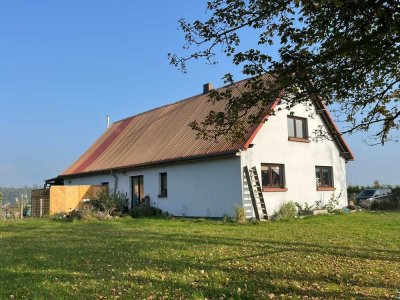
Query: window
[163,185]
[138,196]
[273,177]
[297,129]
[324,178]
[106,185]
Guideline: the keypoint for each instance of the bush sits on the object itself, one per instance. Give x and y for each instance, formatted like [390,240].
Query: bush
[227,219]
[286,211]
[391,203]
[240,215]
[146,210]
[69,217]
[77,215]
[333,202]
[305,209]
[89,215]
[110,202]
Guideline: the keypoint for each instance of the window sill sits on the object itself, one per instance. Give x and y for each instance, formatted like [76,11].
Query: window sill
[325,188]
[274,189]
[162,196]
[300,140]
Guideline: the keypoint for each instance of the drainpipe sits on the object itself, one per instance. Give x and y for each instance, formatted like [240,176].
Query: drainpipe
[115,181]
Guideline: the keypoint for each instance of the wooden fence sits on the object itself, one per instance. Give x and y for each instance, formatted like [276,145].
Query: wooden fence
[59,199]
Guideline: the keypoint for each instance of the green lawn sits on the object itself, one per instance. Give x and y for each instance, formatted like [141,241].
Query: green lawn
[336,256]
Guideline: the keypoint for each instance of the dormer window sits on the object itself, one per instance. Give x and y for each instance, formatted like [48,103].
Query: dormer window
[297,129]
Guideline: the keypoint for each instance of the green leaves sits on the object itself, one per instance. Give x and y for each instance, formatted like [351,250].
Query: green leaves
[348,50]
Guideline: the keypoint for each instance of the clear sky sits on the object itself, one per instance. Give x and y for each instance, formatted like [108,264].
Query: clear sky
[65,65]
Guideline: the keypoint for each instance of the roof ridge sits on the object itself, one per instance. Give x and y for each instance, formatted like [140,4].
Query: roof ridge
[179,101]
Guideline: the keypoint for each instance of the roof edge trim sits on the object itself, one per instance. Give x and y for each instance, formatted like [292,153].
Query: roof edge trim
[347,153]
[226,154]
[257,129]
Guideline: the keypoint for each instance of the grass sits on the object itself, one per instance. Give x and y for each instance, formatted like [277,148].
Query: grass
[335,256]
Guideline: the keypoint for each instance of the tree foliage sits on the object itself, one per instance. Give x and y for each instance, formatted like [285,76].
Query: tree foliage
[10,193]
[346,52]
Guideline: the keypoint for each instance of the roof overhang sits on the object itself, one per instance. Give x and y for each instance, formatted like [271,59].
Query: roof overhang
[334,130]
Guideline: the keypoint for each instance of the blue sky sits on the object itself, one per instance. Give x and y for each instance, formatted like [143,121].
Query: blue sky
[65,65]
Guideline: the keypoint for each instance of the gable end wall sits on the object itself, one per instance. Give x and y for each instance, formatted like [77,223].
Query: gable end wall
[271,145]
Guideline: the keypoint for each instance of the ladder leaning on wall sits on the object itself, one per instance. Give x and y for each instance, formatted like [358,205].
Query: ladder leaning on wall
[253,195]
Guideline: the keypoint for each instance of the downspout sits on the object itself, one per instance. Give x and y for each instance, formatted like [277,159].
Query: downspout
[115,180]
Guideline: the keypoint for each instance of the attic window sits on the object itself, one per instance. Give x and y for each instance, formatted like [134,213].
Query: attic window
[297,129]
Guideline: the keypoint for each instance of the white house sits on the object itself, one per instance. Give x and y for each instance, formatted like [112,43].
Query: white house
[157,154]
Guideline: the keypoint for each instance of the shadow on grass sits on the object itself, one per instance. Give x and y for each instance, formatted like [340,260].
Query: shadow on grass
[92,249]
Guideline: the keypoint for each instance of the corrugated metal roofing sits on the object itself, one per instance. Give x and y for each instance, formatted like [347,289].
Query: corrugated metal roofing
[163,135]
[158,135]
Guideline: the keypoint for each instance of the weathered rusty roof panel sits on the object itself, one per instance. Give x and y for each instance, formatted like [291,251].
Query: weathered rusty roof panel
[161,134]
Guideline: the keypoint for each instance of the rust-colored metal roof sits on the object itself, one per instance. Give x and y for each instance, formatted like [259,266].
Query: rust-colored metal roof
[163,135]
[158,135]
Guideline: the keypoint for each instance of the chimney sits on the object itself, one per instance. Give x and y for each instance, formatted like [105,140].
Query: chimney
[207,87]
[108,121]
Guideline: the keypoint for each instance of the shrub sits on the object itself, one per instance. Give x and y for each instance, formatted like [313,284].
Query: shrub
[333,202]
[286,211]
[68,217]
[76,215]
[304,209]
[110,202]
[89,215]
[240,214]
[226,218]
[319,204]
[391,203]
[146,210]
[59,216]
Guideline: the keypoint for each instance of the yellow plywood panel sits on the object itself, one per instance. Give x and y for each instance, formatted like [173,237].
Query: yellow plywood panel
[68,198]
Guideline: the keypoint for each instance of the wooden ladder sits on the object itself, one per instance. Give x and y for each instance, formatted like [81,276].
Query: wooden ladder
[255,190]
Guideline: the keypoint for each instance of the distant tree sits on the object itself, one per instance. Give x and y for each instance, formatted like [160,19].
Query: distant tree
[346,52]
[376,184]
[21,205]
[9,193]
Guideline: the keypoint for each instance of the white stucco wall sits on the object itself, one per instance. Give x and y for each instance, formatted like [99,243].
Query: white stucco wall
[271,145]
[208,188]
